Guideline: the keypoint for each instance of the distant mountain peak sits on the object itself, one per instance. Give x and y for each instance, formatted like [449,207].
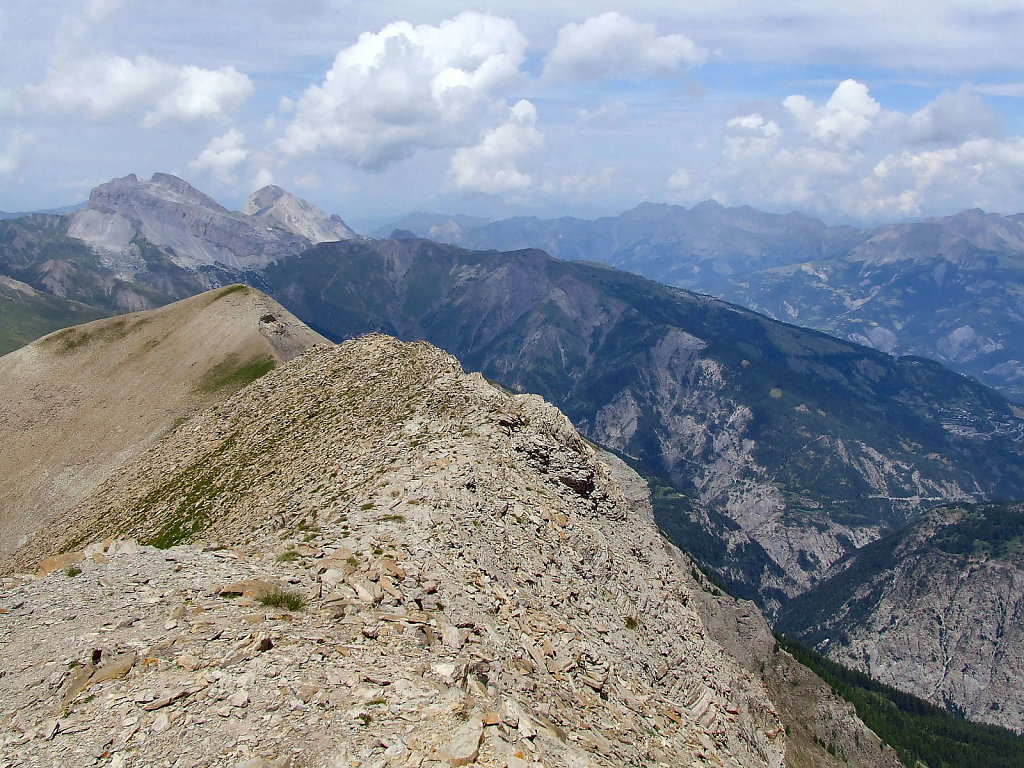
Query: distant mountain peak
[709,205]
[130,190]
[198,231]
[262,198]
[293,214]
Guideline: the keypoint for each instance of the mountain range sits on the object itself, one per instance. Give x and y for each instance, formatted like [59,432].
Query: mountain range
[946,288]
[797,447]
[776,453]
[141,244]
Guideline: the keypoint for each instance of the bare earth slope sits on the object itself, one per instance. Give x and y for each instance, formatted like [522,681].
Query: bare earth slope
[76,407]
[478,589]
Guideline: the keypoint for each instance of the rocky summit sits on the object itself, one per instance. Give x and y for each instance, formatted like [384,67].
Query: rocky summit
[367,558]
[193,229]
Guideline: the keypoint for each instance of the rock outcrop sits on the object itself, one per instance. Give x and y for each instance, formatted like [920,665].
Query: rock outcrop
[476,590]
[278,208]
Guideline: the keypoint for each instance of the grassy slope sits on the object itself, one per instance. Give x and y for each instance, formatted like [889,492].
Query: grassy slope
[24,317]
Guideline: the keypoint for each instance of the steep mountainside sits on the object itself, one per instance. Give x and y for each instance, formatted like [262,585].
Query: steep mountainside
[26,314]
[949,289]
[476,588]
[822,729]
[936,610]
[76,406]
[798,447]
[38,251]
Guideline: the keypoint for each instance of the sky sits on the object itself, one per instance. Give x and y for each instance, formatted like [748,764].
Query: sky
[861,112]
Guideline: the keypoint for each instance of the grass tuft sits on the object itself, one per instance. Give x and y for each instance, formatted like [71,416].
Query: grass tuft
[287,556]
[280,598]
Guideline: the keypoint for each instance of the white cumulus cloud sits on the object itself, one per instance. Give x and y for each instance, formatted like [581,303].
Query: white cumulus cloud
[490,166]
[614,45]
[407,87]
[751,136]
[104,86]
[201,94]
[848,114]
[222,155]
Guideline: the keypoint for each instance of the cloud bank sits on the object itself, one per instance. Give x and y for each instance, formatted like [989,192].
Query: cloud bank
[407,88]
[102,87]
[850,156]
[613,45]
[555,108]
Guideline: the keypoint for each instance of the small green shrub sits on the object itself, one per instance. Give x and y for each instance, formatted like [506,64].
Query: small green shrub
[280,598]
[287,556]
[71,571]
[632,623]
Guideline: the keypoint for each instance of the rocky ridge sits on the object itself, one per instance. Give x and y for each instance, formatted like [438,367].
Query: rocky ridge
[477,589]
[279,208]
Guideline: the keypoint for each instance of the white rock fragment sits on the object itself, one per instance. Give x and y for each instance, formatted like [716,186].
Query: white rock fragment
[464,745]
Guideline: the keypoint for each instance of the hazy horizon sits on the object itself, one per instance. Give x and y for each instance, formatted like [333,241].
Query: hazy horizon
[864,114]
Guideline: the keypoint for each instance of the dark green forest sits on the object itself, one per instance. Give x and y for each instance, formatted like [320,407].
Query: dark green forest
[917,730]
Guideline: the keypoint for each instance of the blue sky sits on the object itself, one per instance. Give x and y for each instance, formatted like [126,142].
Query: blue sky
[867,112]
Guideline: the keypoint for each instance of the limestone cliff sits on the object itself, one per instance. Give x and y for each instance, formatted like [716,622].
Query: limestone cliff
[936,610]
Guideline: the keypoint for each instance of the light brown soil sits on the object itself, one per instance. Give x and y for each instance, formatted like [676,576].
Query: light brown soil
[75,407]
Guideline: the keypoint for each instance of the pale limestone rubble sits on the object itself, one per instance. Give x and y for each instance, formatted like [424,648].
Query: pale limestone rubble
[478,592]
